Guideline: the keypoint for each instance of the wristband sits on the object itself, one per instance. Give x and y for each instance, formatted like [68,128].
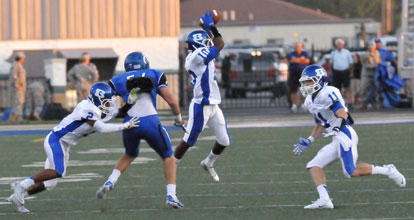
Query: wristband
[215,32]
[311,139]
[178,118]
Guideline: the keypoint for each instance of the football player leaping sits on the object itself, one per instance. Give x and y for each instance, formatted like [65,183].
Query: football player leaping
[88,116]
[204,107]
[328,108]
[137,68]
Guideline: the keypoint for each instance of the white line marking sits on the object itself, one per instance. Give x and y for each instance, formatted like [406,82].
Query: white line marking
[78,163]
[222,207]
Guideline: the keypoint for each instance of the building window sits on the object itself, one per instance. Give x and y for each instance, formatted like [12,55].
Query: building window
[225,15]
[275,41]
[233,15]
[241,41]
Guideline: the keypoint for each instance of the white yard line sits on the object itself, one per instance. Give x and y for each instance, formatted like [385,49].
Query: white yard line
[222,207]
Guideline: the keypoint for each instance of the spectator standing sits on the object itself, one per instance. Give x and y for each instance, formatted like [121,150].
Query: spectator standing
[35,100]
[17,87]
[342,69]
[356,79]
[385,55]
[281,90]
[370,63]
[82,76]
[328,67]
[298,60]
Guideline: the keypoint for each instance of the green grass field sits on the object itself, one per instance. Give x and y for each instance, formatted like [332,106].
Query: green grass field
[260,179]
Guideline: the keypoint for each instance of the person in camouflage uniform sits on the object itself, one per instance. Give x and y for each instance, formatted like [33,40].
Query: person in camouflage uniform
[17,87]
[82,76]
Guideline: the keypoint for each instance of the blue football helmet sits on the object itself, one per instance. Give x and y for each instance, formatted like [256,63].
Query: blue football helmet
[135,61]
[103,97]
[198,39]
[314,73]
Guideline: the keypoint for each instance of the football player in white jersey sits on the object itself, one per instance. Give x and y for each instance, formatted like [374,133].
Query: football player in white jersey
[88,117]
[327,106]
[204,109]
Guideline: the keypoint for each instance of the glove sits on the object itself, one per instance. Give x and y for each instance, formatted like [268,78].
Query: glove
[132,97]
[332,133]
[301,146]
[207,21]
[133,123]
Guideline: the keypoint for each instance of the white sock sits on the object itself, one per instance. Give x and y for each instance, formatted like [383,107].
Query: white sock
[176,160]
[171,189]
[379,170]
[323,191]
[209,161]
[294,106]
[27,183]
[114,176]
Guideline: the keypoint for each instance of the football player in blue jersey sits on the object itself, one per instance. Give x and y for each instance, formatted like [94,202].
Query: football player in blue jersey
[327,106]
[204,109]
[88,117]
[144,84]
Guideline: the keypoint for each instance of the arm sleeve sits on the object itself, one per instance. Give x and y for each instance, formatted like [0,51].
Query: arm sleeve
[209,54]
[162,82]
[107,127]
[336,106]
[316,119]
[306,54]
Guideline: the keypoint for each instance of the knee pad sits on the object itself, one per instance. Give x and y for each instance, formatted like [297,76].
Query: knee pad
[50,184]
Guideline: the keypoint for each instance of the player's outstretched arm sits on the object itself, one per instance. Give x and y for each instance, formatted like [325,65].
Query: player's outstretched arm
[172,102]
[109,127]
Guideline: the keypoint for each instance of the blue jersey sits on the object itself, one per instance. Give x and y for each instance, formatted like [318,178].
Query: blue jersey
[385,55]
[146,103]
[296,67]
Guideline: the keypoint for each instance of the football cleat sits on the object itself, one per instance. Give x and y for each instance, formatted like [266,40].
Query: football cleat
[20,206]
[395,175]
[321,204]
[103,190]
[210,170]
[172,201]
[18,192]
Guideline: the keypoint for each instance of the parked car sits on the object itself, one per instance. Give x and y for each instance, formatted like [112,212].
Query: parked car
[251,70]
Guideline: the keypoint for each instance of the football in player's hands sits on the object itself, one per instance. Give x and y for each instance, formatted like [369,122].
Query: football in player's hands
[216,18]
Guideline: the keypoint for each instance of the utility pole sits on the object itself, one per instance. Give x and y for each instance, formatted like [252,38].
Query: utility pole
[386,16]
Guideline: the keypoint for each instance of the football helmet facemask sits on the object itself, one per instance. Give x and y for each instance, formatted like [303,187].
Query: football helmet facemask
[317,75]
[197,39]
[103,97]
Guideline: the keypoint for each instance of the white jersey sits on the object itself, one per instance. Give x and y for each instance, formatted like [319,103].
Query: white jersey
[74,126]
[324,106]
[200,65]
